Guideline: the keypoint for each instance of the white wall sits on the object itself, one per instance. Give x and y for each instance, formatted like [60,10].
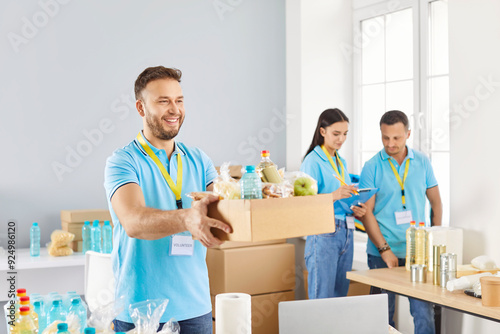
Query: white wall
[67,69]
[318,74]
[475,115]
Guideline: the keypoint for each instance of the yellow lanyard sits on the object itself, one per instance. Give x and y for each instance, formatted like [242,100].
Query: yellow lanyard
[176,189]
[333,164]
[401,182]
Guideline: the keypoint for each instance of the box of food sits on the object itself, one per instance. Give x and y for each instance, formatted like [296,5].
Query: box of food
[274,218]
[79,216]
[264,311]
[252,270]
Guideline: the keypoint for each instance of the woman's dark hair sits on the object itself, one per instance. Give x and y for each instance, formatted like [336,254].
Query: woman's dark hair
[327,118]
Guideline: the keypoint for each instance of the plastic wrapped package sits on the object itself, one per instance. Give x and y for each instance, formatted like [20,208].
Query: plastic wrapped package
[59,251]
[303,184]
[483,262]
[146,316]
[277,190]
[71,320]
[464,282]
[103,316]
[61,238]
[225,186]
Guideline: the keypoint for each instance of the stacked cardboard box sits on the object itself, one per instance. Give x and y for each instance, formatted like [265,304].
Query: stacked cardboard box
[265,270]
[72,221]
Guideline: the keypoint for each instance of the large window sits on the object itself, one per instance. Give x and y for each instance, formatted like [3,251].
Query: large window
[402,64]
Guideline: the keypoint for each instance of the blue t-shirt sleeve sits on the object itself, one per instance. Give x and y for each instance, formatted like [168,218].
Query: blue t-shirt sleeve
[312,169]
[367,177]
[119,170]
[429,174]
[210,171]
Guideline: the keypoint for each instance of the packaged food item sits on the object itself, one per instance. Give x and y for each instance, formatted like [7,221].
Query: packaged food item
[225,186]
[483,262]
[59,251]
[277,190]
[61,238]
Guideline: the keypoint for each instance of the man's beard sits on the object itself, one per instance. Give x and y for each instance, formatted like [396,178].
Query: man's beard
[157,129]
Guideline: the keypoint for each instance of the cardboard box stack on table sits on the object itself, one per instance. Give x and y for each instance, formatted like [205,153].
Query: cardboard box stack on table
[264,270]
[72,221]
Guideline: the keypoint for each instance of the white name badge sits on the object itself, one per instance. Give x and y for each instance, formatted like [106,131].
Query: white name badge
[403,217]
[182,245]
[350,222]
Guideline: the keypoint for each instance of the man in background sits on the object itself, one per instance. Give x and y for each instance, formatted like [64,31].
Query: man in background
[405,179]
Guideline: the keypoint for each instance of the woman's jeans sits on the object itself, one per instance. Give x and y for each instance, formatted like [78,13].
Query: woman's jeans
[422,312]
[328,257]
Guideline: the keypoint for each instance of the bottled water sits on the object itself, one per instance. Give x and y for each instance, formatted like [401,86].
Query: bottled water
[86,230]
[56,312]
[42,316]
[35,240]
[107,238]
[78,310]
[410,246]
[96,236]
[251,185]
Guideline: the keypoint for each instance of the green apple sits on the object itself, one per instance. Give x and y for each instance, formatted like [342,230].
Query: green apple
[304,186]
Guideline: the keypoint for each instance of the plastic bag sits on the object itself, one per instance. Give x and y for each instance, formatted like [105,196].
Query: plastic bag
[483,262]
[303,184]
[103,316]
[225,186]
[277,190]
[61,238]
[146,316]
[73,325]
[59,251]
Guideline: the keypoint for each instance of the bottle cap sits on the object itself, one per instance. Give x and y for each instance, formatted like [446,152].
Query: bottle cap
[106,222]
[24,299]
[37,303]
[421,224]
[21,291]
[35,224]
[96,223]
[264,153]
[75,301]
[56,302]
[413,222]
[62,326]
[24,310]
[86,222]
[89,330]
[250,168]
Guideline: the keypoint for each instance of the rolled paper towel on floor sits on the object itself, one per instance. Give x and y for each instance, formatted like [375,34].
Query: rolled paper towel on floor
[464,282]
[233,313]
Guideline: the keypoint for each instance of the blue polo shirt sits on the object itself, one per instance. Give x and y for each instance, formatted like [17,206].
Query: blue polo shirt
[317,165]
[143,269]
[377,173]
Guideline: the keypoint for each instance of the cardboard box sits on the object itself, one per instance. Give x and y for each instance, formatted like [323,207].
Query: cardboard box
[79,216]
[76,245]
[234,171]
[264,311]
[238,244]
[76,228]
[276,218]
[252,270]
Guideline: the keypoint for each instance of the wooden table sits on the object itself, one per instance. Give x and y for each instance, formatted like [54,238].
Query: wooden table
[397,280]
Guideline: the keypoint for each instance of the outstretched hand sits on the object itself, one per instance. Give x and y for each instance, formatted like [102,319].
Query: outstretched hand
[198,223]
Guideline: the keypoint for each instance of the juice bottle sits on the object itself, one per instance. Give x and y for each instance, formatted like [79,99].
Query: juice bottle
[268,170]
[25,301]
[410,246]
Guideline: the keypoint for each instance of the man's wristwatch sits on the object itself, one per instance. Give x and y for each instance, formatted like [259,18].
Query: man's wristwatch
[383,248]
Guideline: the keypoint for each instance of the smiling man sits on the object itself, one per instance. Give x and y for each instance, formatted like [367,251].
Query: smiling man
[160,236]
[404,178]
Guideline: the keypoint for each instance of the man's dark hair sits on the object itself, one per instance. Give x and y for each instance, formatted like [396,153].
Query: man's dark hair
[395,116]
[155,73]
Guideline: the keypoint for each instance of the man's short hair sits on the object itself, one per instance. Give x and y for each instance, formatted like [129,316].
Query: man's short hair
[395,116]
[154,73]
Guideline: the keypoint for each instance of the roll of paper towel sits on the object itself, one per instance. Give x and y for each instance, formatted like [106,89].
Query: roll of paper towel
[233,313]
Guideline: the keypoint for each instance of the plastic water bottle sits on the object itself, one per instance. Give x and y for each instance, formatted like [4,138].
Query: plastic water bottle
[420,244]
[56,312]
[78,310]
[62,328]
[42,316]
[410,246]
[96,236]
[251,185]
[35,240]
[86,236]
[107,238]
